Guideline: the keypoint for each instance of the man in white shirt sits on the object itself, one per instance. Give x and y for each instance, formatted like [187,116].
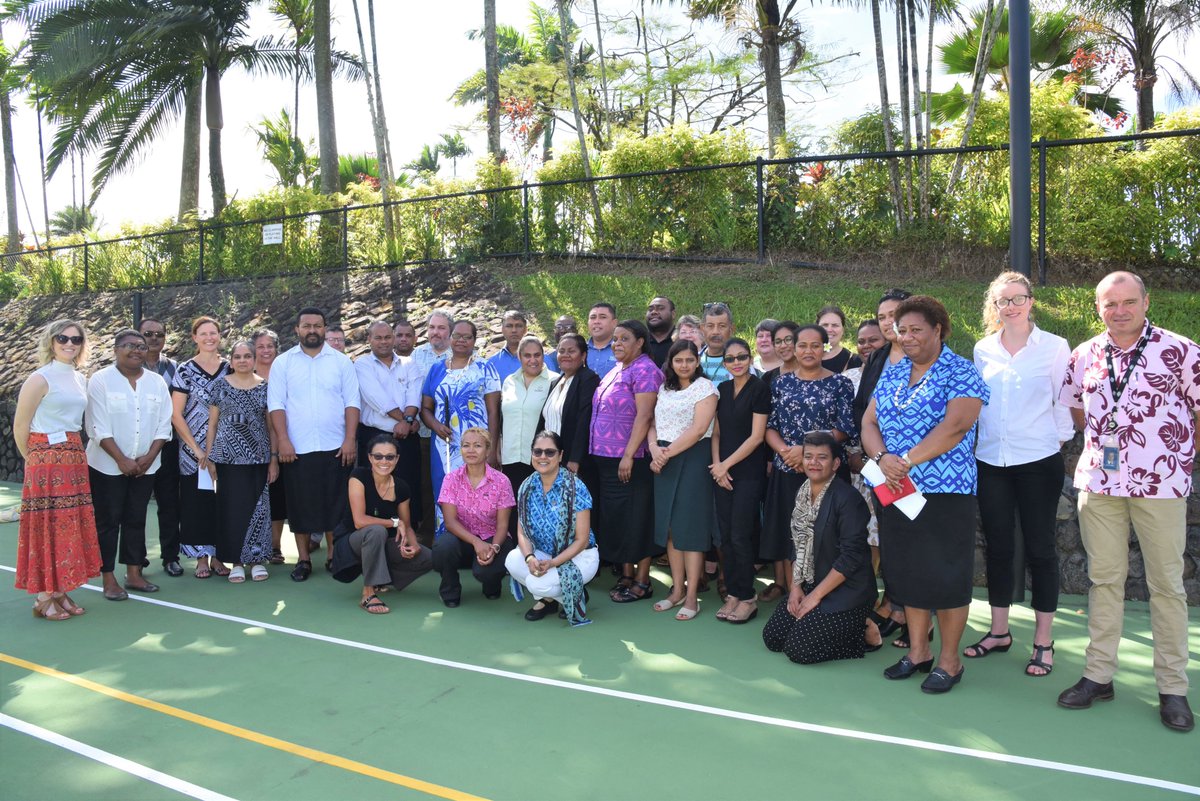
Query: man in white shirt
[313,400]
[390,390]
[513,327]
[166,480]
[128,418]
[437,349]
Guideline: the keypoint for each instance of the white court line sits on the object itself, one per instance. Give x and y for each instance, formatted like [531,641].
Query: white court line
[704,709]
[113,761]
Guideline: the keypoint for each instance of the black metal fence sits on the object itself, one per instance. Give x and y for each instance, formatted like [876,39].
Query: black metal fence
[810,209]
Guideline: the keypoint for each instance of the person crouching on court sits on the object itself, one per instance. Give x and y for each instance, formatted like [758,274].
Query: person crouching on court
[833,583]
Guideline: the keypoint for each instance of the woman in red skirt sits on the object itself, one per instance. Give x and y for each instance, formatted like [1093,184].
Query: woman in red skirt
[57,548]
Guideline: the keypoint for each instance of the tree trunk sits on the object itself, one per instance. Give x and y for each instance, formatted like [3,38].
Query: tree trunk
[13,241]
[189,176]
[564,26]
[905,119]
[323,78]
[37,110]
[603,72]
[491,68]
[768,58]
[385,176]
[917,104]
[982,59]
[387,141]
[885,111]
[216,122]
[927,162]
[649,74]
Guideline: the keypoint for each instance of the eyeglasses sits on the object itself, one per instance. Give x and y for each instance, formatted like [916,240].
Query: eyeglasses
[545,452]
[785,341]
[63,339]
[1015,300]
[155,334]
[384,457]
[741,357]
[461,337]
[134,346]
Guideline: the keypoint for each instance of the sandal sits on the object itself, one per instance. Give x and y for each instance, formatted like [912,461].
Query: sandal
[373,605]
[687,614]
[903,642]
[1038,660]
[730,604]
[738,620]
[666,604]
[887,627]
[773,592]
[40,609]
[276,557]
[259,573]
[65,603]
[627,595]
[237,575]
[202,570]
[623,583]
[979,651]
[221,571]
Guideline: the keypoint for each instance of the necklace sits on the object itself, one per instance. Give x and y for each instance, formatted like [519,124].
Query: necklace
[915,390]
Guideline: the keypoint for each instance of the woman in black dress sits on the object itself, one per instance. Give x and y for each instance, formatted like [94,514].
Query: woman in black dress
[837,359]
[739,469]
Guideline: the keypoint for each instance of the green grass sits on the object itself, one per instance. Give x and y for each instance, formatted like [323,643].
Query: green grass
[756,293]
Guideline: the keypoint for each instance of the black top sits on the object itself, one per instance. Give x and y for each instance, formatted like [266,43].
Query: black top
[866,385]
[576,414]
[376,506]
[845,360]
[840,542]
[657,351]
[735,416]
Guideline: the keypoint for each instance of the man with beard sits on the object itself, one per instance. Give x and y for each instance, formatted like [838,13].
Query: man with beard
[562,326]
[166,478]
[313,399]
[660,319]
[128,420]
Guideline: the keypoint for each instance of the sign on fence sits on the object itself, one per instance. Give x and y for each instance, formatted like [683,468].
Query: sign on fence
[272,233]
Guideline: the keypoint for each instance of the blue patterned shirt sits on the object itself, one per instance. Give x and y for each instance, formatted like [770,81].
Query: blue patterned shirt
[544,510]
[906,415]
[799,406]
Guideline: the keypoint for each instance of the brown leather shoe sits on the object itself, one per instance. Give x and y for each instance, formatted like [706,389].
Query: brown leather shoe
[1175,712]
[1084,692]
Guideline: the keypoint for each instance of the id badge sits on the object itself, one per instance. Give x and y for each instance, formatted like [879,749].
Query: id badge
[1111,456]
[56,438]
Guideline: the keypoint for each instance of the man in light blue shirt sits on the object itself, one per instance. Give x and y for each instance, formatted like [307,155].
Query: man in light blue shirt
[513,328]
[563,325]
[717,326]
[602,323]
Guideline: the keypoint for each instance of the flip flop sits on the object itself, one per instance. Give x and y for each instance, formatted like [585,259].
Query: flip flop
[373,605]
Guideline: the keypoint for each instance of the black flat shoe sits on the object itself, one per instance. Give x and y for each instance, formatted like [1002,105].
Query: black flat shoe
[1175,712]
[870,649]
[173,569]
[940,681]
[549,605]
[1081,694]
[453,603]
[147,587]
[906,667]
[302,570]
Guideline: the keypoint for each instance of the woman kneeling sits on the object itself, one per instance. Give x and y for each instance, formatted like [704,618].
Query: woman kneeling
[833,584]
[556,552]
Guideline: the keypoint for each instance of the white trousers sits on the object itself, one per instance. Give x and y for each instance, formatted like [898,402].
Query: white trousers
[548,586]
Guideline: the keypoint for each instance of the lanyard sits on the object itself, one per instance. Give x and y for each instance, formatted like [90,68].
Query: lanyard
[1118,387]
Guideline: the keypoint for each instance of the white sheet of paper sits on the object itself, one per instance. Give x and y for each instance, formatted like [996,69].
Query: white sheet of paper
[205,481]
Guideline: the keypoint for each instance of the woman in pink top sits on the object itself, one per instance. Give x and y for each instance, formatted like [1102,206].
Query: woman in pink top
[476,501]
[622,409]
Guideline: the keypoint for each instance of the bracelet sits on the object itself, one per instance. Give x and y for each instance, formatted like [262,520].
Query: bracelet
[529,556]
[904,458]
[882,454]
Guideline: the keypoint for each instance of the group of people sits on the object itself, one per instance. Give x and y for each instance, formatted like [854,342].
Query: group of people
[652,438]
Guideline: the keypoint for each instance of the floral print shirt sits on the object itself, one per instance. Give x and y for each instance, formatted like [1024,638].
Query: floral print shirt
[799,406]
[1156,418]
[477,506]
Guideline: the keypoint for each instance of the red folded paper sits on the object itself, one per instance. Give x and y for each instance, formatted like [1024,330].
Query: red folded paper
[887,497]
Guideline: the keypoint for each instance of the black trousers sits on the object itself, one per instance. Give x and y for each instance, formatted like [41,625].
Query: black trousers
[1029,492]
[423,497]
[120,504]
[516,473]
[166,498]
[739,512]
[450,554]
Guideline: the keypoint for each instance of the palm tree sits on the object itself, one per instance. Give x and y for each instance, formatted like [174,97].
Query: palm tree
[565,25]
[323,78]
[1140,28]
[283,150]
[426,164]
[378,123]
[72,220]
[298,14]
[454,147]
[8,84]
[491,62]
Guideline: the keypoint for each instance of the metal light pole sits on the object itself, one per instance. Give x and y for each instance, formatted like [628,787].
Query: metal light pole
[1020,138]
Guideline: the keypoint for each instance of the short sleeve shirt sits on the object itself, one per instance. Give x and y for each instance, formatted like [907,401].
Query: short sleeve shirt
[614,406]
[1156,419]
[477,506]
[735,415]
[543,510]
[799,406]
[907,414]
[676,409]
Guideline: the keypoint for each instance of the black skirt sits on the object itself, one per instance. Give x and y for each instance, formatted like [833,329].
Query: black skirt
[775,542]
[626,533]
[929,563]
[316,492]
[244,511]
[198,520]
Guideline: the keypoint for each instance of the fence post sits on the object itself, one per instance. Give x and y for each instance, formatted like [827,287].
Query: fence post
[525,216]
[346,236]
[137,309]
[762,221]
[1042,211]
[85,266]
[200,231]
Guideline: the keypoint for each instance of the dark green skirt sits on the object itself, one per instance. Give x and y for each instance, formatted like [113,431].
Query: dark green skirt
[683,500]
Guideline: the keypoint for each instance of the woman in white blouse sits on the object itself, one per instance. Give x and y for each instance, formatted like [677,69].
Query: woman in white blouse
[680,453]
[522,396]
[1020,467]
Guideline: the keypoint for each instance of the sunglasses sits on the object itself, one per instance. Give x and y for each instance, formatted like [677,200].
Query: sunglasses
[462,337]
[741,357]
[716,305]
[63,339]
[155,334]
[545,452]
[134,346]
[384,457]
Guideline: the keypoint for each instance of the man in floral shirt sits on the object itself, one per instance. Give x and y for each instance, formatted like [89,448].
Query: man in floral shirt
[1134,390]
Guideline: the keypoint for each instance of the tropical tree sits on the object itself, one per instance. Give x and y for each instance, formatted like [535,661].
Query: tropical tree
[291,158]
[8,84]
[72,220]
[491,62]
[1140,28]
[454,147]
[323,78]
[565,25]
[298,15]
[378,121]
[425,165]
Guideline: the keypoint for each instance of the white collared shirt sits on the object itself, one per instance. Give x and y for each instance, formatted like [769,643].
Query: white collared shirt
[133,417]
[315,392]
[382,388]
[520,408]
[1024,421]
[553,410]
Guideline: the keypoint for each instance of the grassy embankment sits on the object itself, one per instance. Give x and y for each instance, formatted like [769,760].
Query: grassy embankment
[754,294]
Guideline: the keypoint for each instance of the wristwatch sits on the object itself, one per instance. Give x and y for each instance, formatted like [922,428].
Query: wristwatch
[410,419]
[882,454]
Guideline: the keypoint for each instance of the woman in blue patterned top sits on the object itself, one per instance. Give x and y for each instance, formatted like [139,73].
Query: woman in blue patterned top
[921,424]
[556,552]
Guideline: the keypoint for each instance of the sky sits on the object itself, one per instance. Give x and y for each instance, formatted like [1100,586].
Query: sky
[424,54]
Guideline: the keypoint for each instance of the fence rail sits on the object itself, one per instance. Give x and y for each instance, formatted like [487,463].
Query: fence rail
[748,211]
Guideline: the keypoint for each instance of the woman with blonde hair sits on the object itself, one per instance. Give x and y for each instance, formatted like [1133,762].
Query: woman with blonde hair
[57,546]
[1021,468]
